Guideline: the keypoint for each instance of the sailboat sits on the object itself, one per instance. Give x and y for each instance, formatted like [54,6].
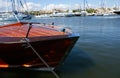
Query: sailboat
[117,11]
[84,12]
[34,45]
[10,16]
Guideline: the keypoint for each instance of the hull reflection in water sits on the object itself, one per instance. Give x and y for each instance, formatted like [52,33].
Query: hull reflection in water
[50,43]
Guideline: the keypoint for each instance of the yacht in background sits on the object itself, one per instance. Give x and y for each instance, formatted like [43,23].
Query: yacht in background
[15,13]
[57,14]
[42,16]
[83,13]
[117,12]
[12,17]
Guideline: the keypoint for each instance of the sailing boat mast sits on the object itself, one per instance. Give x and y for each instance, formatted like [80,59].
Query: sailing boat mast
[102,4]
[6,6]
[84,12]
[14,9]
[84,5]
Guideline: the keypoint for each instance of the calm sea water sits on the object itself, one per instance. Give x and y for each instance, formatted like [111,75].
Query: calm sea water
[95,55]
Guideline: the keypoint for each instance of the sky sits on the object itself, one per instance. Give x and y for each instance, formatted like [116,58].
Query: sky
[63,4]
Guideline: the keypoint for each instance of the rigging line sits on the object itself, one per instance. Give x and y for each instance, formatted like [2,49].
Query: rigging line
[54,73]
[26,4]
[13,10]
[12,3]
[44,62]
[24,7]
[16,17]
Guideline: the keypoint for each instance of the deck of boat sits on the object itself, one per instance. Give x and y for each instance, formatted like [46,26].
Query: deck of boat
[19,30]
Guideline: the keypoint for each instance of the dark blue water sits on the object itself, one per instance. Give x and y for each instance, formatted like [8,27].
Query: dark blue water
[95,55]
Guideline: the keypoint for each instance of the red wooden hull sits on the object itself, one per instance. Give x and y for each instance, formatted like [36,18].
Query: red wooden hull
[53,49]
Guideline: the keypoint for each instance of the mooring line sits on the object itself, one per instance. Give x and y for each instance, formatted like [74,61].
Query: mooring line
[54,73]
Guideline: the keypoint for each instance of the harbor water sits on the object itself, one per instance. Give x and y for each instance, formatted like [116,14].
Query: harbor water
[95,55]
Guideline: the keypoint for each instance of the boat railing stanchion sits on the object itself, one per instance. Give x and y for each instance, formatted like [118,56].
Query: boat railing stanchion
[44,62]
[30,26]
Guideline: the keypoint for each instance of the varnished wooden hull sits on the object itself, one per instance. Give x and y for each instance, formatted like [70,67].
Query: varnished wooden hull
[19,54]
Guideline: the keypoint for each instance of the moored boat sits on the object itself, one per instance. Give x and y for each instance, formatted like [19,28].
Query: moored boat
[20,41]
[117,12]
[18,11]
